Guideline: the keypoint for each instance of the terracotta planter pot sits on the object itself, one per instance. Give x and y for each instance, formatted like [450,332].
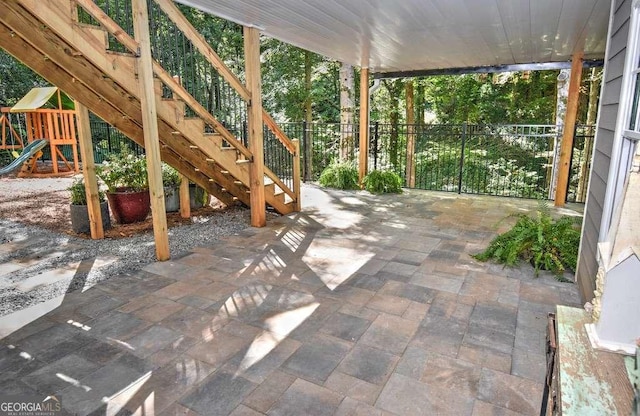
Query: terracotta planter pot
[129,206]
[80,218]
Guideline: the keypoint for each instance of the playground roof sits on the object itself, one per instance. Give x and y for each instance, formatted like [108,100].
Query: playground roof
[411,35]
[34,99]
[40,97]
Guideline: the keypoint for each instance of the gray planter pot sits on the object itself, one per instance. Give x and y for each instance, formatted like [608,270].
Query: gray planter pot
[171,199]
[80,218]
[197,196]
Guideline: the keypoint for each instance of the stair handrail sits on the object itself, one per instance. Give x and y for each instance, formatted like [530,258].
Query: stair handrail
[277,131]
[132,45]
[174,14]
[271,175]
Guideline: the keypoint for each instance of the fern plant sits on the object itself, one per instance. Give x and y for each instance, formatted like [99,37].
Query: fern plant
[382,182]
[546,243]
[340,175]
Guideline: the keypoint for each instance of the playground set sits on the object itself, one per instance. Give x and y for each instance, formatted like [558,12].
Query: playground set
[46,122]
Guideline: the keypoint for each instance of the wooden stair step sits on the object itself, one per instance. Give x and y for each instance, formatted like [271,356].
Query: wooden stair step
[178,107]
[99,34]
[194,123]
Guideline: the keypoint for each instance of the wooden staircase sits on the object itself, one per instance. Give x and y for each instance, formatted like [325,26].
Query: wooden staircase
[47,36]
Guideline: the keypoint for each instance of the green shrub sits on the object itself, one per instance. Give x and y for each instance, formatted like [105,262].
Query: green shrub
[125,170]
[170,176]
[78,192]
[340,175]
[383,182]
[545,243]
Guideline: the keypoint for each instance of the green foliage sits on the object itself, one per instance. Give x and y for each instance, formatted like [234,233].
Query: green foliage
[511,97]
[124,171]
[546,243]
[16,80]
[284,87]
[383,182]
[170,176]
[79,194]
[340,176]
[5,157]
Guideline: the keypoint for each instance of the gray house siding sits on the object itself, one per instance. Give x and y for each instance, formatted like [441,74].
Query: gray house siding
[608,113]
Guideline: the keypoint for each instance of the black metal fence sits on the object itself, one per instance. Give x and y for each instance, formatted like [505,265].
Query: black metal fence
[504,160]
[109,141]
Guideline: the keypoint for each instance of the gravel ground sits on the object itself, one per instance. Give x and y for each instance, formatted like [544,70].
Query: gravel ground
[38,250]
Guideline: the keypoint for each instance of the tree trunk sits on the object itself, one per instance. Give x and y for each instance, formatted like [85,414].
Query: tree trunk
[308,118]
[410,174]
[562,94]
[347,105]
[592,112]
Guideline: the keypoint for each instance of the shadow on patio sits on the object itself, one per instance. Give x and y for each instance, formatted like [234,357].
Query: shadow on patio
[360,304]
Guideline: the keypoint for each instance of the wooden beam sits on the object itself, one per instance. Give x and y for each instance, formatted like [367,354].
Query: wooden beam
[544,66]
[363,159]
[411,136]
[150,129]
[569,128]
[89,172]
[296,175]
[185,198]
[256,144]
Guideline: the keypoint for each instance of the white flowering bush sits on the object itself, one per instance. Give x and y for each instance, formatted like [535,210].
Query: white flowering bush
[124,170]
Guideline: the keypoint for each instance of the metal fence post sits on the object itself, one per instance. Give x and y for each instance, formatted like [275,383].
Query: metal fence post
[376,126]
[464,139]
[305,153]
[573,148]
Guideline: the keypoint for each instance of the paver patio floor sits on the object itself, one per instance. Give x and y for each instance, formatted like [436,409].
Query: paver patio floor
[359,305]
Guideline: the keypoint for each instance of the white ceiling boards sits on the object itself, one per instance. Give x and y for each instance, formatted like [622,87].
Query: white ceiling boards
[407,35]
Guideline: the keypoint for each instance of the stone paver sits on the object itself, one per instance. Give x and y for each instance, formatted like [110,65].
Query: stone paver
[370,308]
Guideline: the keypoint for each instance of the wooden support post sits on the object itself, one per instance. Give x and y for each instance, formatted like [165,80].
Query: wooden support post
[569,127]
[256,145]
[296,175]
[363,158]
[150,128]
[89,172]
[411,136]
[185,198]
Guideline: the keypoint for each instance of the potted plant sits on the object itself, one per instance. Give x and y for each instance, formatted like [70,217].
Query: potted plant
[128,191]
[171,182]
[79,211]
[198,197]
